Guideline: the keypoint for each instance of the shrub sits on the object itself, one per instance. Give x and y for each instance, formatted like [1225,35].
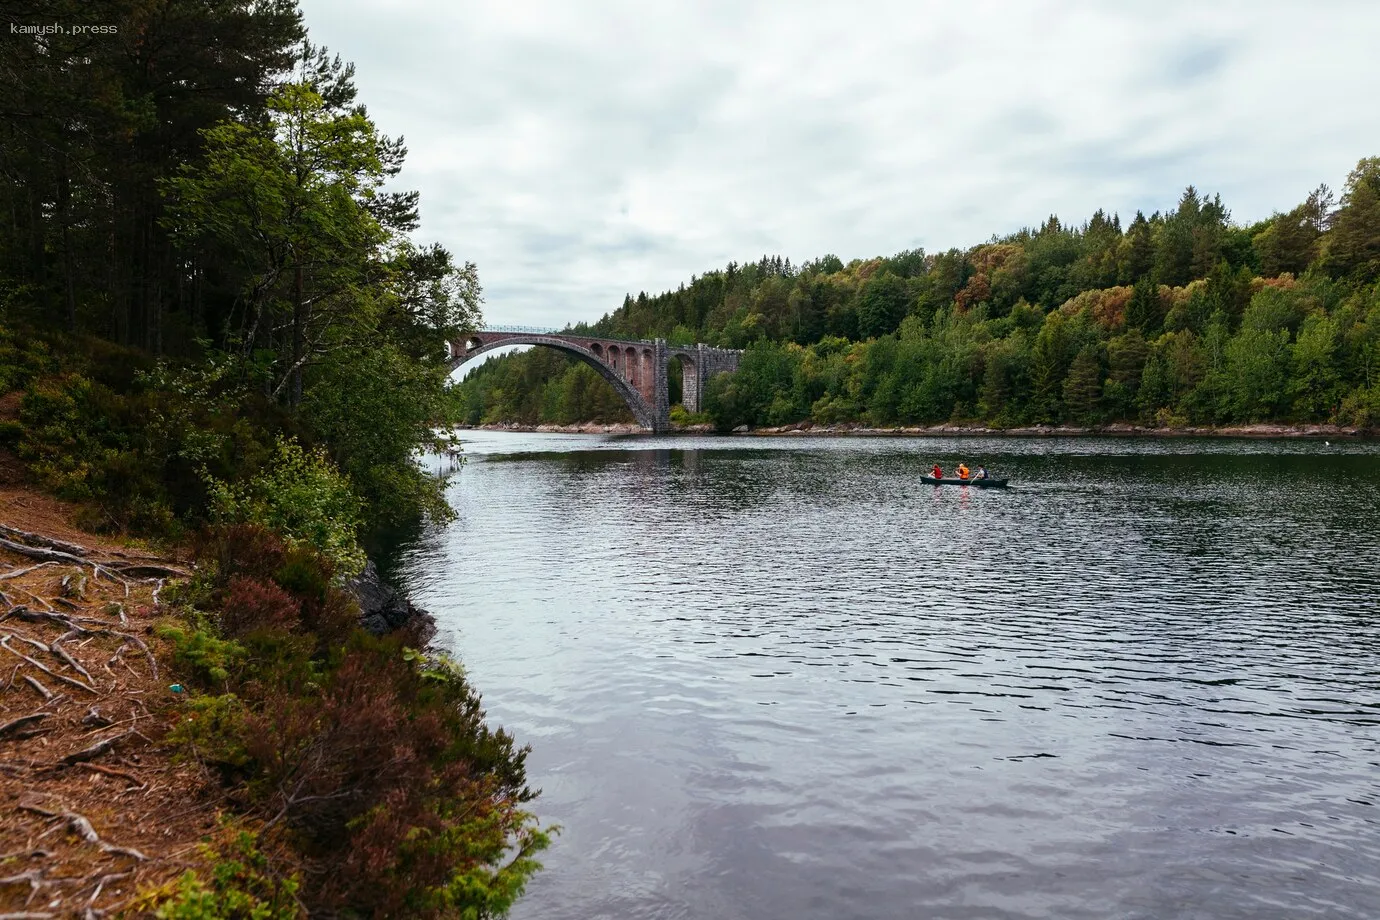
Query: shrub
[303,496]
[205,656]
[373,759]
[253,604]
[243,887]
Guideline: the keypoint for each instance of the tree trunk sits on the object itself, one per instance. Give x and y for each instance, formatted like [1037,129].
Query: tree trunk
[299,338]
[64,216]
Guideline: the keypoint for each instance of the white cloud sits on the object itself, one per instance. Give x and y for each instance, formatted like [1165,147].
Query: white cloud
[580,151]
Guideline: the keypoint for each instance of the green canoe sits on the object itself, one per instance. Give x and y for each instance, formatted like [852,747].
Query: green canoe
[988,483]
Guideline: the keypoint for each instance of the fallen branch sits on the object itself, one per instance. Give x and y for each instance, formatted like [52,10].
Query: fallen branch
[4,643]
[22,721]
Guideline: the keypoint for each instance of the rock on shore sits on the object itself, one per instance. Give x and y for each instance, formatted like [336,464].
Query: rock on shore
[1262,430]
[383,608]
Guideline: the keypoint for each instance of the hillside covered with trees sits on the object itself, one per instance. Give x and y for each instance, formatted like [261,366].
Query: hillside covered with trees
[217,336]
[1181,317]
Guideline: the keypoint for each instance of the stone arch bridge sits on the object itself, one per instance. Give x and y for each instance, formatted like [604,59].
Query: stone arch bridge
[636,369]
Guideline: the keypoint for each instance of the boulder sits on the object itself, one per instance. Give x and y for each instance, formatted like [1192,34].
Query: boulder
[382,607]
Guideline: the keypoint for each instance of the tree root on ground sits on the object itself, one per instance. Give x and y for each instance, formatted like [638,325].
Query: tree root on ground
[78,825]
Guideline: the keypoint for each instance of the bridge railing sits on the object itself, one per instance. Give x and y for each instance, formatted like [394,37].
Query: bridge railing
[548,330]
[526,330]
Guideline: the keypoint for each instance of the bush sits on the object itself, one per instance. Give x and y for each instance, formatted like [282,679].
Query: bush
[375,760]
[243,887]
[303,496]
[252,604]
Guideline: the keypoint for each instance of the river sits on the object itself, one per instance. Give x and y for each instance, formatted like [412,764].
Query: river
[781,678]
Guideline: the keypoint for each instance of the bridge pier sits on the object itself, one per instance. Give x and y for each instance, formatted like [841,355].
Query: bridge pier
[661,389]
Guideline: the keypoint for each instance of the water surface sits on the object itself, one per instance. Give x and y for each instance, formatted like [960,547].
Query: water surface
[782,679]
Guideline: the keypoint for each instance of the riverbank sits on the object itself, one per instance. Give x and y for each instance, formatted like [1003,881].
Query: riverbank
[100,808]
[1312,432]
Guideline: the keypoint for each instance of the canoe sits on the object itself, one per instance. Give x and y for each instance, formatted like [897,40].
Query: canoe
[955,481]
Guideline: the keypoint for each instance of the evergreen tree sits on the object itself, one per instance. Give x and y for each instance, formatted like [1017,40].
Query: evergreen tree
[1083,386]
[1353,243]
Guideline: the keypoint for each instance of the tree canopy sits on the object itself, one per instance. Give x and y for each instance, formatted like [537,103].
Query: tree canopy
[1179,316]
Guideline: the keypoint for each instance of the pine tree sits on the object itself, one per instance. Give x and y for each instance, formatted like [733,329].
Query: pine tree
[1083,386]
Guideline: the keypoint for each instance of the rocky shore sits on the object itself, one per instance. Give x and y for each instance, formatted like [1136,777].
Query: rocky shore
[1038,431]
[1121,429]
[383,608]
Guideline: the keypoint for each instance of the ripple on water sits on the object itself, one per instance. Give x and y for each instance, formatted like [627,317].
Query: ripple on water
[779,679]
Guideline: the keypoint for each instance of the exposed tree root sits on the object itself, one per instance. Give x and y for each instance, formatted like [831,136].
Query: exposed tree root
[16,724]
[4,643]
[95,750]
[78,825]
[42,540]
[75,614]
[42,690]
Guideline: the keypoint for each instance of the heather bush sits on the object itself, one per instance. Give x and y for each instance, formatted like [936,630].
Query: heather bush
[374,760]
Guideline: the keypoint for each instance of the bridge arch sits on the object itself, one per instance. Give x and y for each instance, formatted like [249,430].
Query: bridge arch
[605,361]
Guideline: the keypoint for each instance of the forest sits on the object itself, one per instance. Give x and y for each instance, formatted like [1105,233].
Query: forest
[1180,318]
[219,338]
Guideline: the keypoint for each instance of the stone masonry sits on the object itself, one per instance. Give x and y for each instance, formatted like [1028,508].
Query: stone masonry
[636,369]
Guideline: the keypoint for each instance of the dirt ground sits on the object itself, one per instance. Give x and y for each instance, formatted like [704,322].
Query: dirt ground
[93,810]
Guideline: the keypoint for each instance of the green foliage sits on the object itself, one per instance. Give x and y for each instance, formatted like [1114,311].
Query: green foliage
[242,887]
[543,387]
[301,495]
[376,758]
[1183,317]
[202,654]
[682,419]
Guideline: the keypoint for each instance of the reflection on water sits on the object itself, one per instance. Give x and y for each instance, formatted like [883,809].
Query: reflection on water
[784,679]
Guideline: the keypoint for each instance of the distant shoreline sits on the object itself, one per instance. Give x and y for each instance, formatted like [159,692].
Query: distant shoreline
[1249,432]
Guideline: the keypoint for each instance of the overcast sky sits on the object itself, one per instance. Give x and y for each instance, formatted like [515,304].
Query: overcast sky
[577,151]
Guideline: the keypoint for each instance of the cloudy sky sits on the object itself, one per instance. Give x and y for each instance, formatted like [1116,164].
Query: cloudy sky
[579,151]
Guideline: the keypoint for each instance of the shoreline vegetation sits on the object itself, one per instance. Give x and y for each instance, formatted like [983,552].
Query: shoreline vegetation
[1182,320]
[1256,431]
[222,347]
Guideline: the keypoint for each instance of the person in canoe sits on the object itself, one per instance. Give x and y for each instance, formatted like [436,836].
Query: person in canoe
[981,473]
[938,473]
[962,471]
